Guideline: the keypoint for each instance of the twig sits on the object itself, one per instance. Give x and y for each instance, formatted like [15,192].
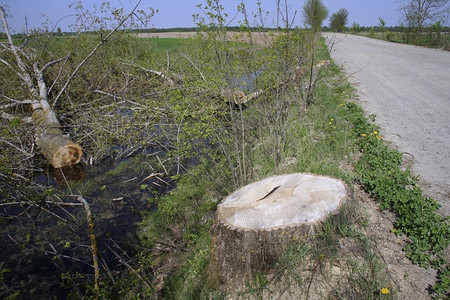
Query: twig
[160,74]
[18,149]
[122,261]
[165,170]
[134,178]
[27,120]
[192,63]
[47,202]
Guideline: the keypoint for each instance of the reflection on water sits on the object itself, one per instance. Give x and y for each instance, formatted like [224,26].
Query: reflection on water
[247,83]
[65,175]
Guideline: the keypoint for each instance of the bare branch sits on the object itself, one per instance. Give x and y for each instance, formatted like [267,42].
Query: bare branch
[192,63]
[11,67]
[15,104]
[47,202]
[120,98]
[13,48]
[52,63]
[160,74]
[93,241]
[27,120]
[17,148]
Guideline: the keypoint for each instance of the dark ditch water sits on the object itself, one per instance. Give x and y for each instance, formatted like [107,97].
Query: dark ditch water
[45,253]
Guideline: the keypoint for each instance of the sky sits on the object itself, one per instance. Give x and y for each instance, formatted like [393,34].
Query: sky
[178,13]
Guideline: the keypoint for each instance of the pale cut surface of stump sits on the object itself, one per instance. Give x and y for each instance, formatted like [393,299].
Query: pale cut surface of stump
[285,200]
[255,223]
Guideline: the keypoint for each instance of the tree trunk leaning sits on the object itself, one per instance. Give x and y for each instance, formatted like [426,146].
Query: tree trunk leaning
[54,145]
[255,223]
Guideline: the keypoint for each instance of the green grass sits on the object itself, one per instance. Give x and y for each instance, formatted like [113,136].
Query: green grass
[325,138]
[319,141]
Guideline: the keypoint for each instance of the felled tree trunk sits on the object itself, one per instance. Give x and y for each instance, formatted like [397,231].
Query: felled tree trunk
[257,222]
[54,145]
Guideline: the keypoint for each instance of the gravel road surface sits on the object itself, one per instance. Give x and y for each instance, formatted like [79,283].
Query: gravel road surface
[408,89]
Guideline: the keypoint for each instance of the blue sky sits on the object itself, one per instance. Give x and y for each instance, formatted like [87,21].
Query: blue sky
[178,13]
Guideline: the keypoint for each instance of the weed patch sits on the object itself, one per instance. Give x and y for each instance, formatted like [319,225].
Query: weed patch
[379,171]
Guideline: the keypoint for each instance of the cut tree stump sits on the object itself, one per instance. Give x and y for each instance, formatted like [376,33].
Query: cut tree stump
[255,223]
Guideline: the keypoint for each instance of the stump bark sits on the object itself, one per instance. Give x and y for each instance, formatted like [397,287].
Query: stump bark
[255,223]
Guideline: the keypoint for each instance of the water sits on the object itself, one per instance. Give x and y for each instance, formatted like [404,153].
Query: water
[247,83]
[41,247]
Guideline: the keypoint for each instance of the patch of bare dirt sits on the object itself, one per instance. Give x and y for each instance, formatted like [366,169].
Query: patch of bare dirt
[410,281]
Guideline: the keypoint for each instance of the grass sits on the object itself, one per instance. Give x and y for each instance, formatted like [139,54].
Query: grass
[320,141]
[426,39]
[327,138]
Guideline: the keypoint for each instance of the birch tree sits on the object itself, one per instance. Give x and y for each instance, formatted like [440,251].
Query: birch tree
[418,13]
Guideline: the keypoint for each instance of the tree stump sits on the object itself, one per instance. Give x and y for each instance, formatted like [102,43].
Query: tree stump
[255,223]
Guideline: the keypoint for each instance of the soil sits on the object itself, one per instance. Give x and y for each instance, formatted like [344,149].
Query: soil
[410,281]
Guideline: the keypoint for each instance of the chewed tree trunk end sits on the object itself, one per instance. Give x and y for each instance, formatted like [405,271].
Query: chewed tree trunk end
[61,151]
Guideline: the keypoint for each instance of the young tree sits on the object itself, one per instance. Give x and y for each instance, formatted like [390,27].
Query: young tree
[382,25]
[315,12]
[356,28]
[417,13]
[338,20]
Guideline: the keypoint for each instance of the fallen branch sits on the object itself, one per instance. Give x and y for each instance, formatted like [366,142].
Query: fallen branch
[6,116]
[93,243]
[124,262]
[239,97]
[46,202]
[157,73]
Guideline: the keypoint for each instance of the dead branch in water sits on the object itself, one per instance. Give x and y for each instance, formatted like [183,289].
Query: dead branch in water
[94,247]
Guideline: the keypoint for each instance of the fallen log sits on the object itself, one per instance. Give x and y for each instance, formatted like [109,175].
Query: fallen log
[238,97]
[255,223]
[54,145]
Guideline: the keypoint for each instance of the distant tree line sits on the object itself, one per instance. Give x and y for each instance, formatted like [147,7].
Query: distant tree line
[377,28]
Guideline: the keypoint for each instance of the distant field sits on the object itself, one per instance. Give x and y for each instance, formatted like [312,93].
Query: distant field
[257,37]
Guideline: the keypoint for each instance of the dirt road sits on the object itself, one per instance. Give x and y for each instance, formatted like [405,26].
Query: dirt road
[408,89]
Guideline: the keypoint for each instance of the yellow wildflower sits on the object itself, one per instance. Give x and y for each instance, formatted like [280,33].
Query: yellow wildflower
[363,134]
[329,123]
[385,291]
[375,132]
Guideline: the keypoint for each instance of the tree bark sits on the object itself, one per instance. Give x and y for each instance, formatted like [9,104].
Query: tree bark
[257,222]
